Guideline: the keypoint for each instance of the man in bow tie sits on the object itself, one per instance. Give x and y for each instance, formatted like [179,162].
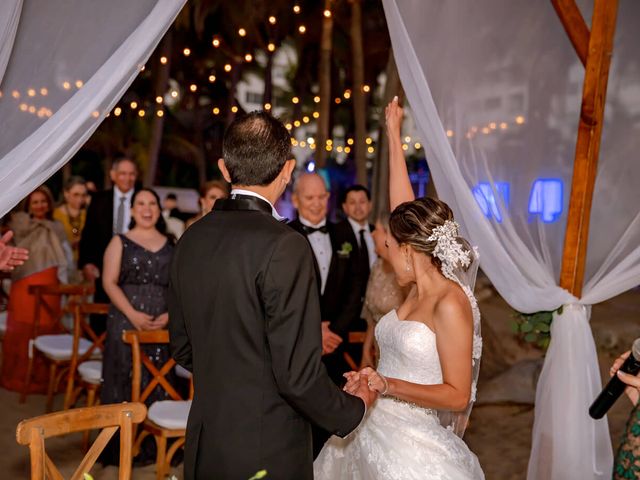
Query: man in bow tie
[336,264]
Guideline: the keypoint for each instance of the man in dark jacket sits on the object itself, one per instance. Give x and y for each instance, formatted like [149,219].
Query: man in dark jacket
[245,319]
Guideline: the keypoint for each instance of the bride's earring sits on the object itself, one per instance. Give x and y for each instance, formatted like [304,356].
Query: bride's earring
[408,264]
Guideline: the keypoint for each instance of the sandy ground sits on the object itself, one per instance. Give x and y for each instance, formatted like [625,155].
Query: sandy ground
[500,434]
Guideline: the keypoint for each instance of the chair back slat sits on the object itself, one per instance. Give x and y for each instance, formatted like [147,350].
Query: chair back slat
[139,359]
[75,292]
[34,431]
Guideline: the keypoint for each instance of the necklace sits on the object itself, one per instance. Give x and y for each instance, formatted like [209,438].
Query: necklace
[75,222]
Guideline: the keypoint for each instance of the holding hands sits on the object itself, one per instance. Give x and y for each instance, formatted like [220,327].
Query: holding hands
[374,381]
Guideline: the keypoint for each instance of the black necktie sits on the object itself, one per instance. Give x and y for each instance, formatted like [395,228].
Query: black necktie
[364,254]
[310,230]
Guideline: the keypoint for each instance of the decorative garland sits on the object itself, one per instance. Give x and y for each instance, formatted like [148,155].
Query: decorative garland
[534,327]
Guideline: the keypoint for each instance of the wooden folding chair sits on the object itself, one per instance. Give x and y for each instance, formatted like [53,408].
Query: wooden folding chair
[82,369]
[168,418]
[34,431]
[56,349]
[354,338]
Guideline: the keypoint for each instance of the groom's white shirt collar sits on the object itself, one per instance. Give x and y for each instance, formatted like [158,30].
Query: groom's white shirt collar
[274,212]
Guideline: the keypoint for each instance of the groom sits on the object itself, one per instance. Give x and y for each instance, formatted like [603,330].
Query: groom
[245,319]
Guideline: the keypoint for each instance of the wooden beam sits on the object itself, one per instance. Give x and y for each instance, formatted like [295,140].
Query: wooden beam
[574,25]
[594,94]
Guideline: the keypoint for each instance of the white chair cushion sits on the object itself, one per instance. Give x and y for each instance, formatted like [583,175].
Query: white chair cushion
[91,371]
[58,347]
[170,414]
[183,372]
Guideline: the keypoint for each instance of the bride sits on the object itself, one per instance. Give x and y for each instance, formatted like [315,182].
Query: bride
[429,349]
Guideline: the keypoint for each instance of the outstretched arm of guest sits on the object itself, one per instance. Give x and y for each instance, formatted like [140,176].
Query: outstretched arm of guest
[400,189]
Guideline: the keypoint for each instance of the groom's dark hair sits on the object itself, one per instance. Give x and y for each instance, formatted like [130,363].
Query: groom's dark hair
[255,148]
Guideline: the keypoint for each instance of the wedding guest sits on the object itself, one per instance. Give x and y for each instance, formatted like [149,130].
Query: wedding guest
[136,278]
[72,214]
[171,215]
[11,257]
[108,214]
[210,192]
[627,459]
[35,230]
[383,293]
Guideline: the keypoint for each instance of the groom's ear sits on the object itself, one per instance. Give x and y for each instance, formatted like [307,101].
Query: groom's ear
[288,168]
[223,170]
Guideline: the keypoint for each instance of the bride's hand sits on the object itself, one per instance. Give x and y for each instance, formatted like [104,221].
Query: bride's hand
[377,382]
[393,114]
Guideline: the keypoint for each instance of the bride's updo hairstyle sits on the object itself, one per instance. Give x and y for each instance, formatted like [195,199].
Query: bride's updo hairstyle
[412,223]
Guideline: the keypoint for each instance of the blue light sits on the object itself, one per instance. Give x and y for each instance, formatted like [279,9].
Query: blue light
[311,166]
[484,195]
[546,199]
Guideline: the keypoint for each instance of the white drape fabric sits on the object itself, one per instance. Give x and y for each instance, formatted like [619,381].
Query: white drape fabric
[495,90]
[68,64]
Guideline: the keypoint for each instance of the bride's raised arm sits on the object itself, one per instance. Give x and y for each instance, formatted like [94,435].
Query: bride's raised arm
[400,189]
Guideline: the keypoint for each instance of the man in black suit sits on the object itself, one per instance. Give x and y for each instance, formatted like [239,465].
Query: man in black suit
[109,213]
[336,263]
[245,319]
[356,229]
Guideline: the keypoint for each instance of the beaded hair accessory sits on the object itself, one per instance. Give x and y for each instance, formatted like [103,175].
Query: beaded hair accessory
[448,250]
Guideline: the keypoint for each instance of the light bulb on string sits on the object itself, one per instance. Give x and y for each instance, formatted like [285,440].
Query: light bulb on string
[158,99]
[295,100]
[44,92]
[296,9]
[271,47]
[186,52]
[117,111]
[215,110]
[31,92]
[327,13]
[366,88]
[248,57]
[141,113]
[160,113]
[316,99]
[215,42]
[272,20]
[133,105]
[193,87]
[234,109]
[242,32]
[163,60]
[227,67]
[212,78]
[302,29]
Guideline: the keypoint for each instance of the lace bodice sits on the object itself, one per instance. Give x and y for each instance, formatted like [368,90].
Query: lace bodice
[408,350]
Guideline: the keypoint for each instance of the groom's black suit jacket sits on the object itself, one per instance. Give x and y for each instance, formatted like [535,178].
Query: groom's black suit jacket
[245,318]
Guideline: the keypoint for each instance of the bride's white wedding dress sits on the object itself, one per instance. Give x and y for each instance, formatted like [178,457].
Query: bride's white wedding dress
[398,440]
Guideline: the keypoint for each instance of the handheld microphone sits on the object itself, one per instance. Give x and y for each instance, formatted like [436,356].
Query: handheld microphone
[615,387]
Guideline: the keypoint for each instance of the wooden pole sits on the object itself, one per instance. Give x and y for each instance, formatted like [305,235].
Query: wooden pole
[574,25]
[594,94]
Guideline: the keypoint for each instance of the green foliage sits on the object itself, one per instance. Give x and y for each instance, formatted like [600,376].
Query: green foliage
[534,327]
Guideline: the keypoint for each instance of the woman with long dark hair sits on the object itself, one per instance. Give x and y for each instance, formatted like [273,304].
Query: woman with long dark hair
[136,278]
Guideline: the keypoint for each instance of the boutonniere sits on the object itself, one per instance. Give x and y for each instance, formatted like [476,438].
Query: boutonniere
[345,250]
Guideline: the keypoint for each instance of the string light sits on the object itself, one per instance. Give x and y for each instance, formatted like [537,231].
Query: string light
[296,9]
[338,100]
[486,130]
[23,107]
[288,126]
[248,57]
[302,144]
[44,92]
[32,109]
[449,133]
[405,147]
[366,88]
[160,113]
[158,99]
[369,140]
[133,105]
[349,141]
[417,146]
[65,85]
[271,47]
[519,119]
[316,99]
[296,123]
[193,87]
[493,125]
[339,149]
[242,32]
[347,94]
[215,42]
[142,68]
[302,29]
[311,140]
[305,119]
[503,126]
[234,109]
[215,110]
[31,92]
[187,52]
[94,114]
[272,20]
[16,94]
[327,13]
[370,150]
[117,111]
[163,60]
[295,100]
[407,139]
[174,93]
[347,149]
[316,114]
[267,106]
[227,67]
[141,113]
[212,78]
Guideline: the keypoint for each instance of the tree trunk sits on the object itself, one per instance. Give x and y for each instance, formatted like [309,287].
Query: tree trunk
[380,181]
[161,73]
[325,87]
[268,81]
[198,136]
[358,94]
[235,78]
